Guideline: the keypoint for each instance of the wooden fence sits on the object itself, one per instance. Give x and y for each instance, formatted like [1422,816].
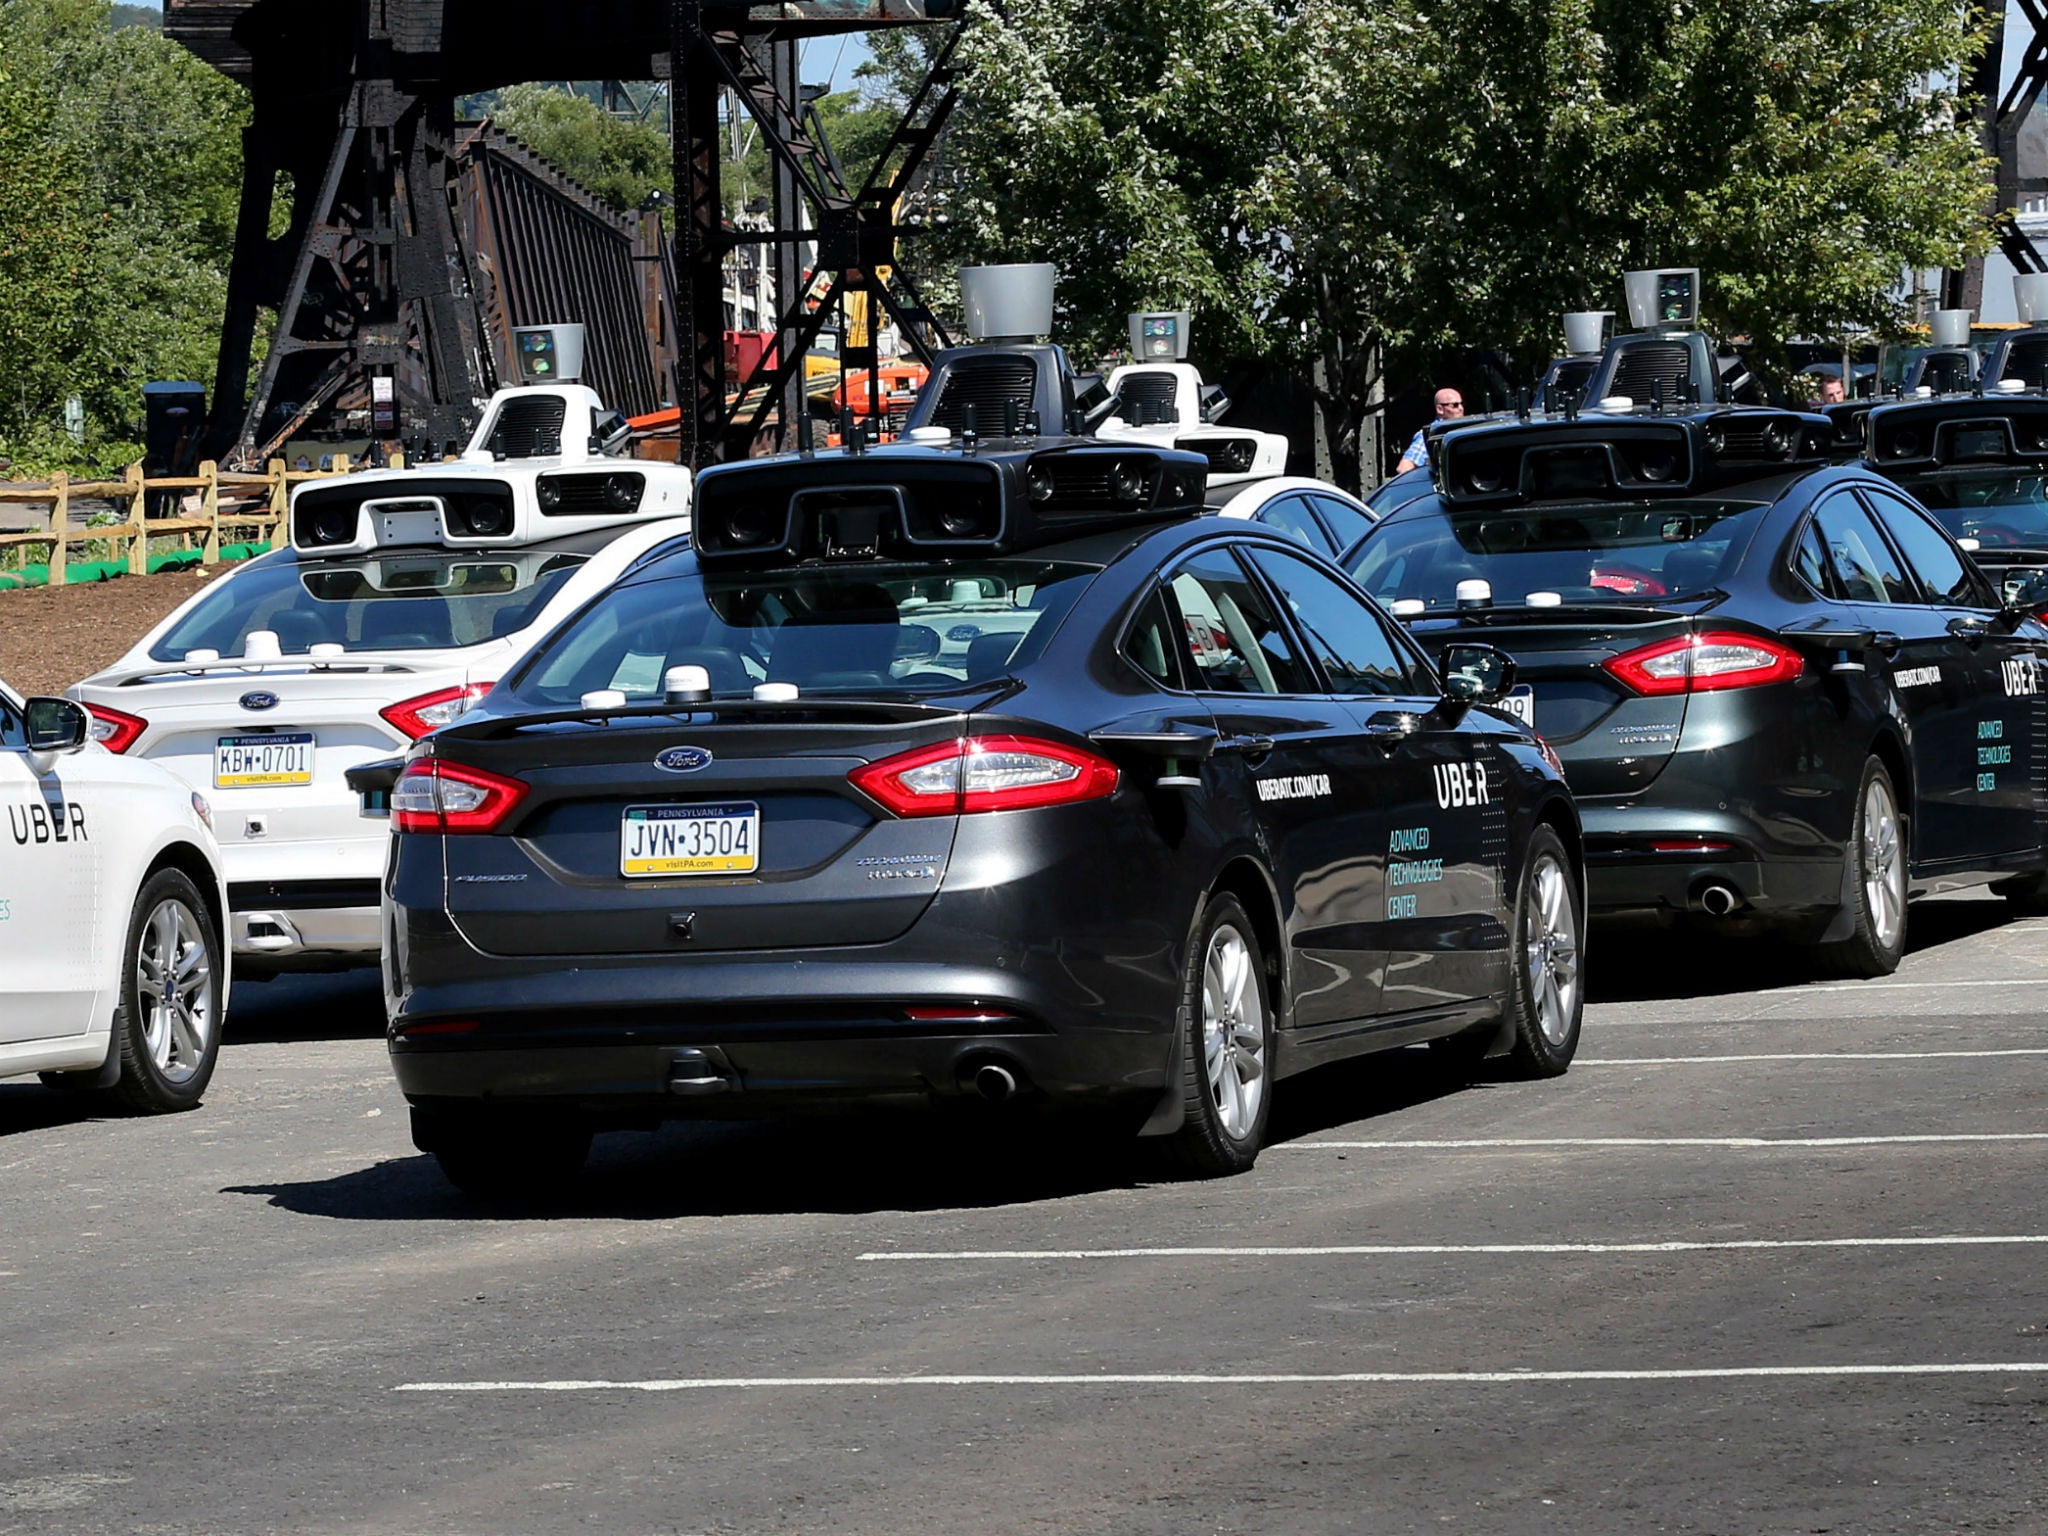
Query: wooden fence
[236,502]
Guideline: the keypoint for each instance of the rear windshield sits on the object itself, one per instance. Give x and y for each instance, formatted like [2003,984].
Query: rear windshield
[2000,509]
[1597,553]
[384,603]
[866,629]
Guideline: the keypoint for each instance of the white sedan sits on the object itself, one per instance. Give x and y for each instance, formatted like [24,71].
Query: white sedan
[1327,520]
[113,908]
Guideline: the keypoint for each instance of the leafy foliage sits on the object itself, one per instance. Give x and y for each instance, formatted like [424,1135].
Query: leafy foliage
[619,160]
[1358,183]
[121,156]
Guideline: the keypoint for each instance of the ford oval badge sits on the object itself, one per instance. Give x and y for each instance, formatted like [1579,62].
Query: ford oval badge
[682,759]
[259,701]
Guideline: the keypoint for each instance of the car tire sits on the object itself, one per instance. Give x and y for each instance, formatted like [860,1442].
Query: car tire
[1547,992]
[500,1154]
[1877,849]
[167,1026]
[1226,1035]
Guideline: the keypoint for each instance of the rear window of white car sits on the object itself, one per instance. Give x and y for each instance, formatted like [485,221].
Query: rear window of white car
[381,603]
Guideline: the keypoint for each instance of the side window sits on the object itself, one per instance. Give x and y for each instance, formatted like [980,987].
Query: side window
[1810,562]
[1341,631]
[13,729]
[1344,520]
[1864,564]
[1149,646]
[1290,515]
[1232,636]
[1938,563]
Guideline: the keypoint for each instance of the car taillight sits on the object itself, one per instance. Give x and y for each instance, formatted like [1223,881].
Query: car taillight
[112,729]
[985,773]
[1705,663]
[431,711]
[433,795]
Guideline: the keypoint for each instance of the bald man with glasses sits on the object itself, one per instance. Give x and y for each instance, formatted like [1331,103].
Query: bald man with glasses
[1450,406]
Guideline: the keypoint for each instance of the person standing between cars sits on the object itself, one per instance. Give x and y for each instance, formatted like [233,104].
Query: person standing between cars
[1450,406]
[1831,393]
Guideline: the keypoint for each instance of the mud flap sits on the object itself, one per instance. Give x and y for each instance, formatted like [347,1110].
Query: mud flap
[1171,1112]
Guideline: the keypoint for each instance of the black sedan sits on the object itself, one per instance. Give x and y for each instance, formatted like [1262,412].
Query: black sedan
[931,775]
[1782,693]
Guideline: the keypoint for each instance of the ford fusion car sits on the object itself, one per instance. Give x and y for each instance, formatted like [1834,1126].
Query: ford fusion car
[113,973]
[947,775]
[402,597]
[1781,692]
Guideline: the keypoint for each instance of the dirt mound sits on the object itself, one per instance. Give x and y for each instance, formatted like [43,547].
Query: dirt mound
[53,636]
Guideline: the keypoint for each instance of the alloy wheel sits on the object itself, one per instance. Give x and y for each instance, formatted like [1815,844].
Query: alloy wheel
[174,988]
[1884,869]
[1233,1032]
[1550,948]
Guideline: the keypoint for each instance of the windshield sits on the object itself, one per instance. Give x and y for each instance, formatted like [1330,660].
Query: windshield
[2000,508]
[1596,553]
[846,629]
[389,603]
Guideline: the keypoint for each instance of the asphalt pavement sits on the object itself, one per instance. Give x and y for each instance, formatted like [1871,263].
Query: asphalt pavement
[1769,1259]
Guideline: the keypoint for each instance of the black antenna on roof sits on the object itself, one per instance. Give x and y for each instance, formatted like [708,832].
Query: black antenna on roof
[1521,405]
[1009,418]
[1031,427]
[1489,402]
[1571,405]
[1656,397]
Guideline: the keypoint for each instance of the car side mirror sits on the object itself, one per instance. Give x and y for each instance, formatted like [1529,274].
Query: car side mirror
[1476,674]
[2026,589]
[56,725]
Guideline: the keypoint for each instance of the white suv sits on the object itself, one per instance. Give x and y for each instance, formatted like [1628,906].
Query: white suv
[112,907]
[404,596]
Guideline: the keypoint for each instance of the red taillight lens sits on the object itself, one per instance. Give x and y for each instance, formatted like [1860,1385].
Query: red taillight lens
[112,729]
[431,711]
[437,796]
[985,773]
[1705,664]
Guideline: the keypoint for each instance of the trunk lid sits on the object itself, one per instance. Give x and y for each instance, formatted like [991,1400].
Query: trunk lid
[1611,740]
[831,867]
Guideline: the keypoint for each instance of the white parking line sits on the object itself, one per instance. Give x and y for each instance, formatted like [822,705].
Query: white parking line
[1515,1142]
[1382,1250]
[1892,986]
[1239,1379]
[1686,1061]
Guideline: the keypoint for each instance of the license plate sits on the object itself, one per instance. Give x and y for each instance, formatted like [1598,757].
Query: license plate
[263,762]
[690,840]
[1521,703]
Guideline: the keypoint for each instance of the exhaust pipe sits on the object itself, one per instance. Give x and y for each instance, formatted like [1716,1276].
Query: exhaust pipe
[995,1084]
[1718,900]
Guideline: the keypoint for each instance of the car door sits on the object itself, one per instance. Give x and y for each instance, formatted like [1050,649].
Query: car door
[49,882]
[1930,671]
[2003,745]
[1442,866]
[1298,761]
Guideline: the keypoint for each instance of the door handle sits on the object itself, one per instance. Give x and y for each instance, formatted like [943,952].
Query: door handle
[1887,642]
[1251,747]
[1970,628]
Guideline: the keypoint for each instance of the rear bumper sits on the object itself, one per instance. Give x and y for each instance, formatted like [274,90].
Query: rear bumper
[1625,873]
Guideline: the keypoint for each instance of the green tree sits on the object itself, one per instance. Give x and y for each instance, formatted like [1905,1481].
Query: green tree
[618,160]
[1348,185]
[126,281]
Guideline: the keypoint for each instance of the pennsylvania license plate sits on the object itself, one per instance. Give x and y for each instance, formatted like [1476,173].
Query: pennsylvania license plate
[1521,703]
[263,762]
[690,840]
